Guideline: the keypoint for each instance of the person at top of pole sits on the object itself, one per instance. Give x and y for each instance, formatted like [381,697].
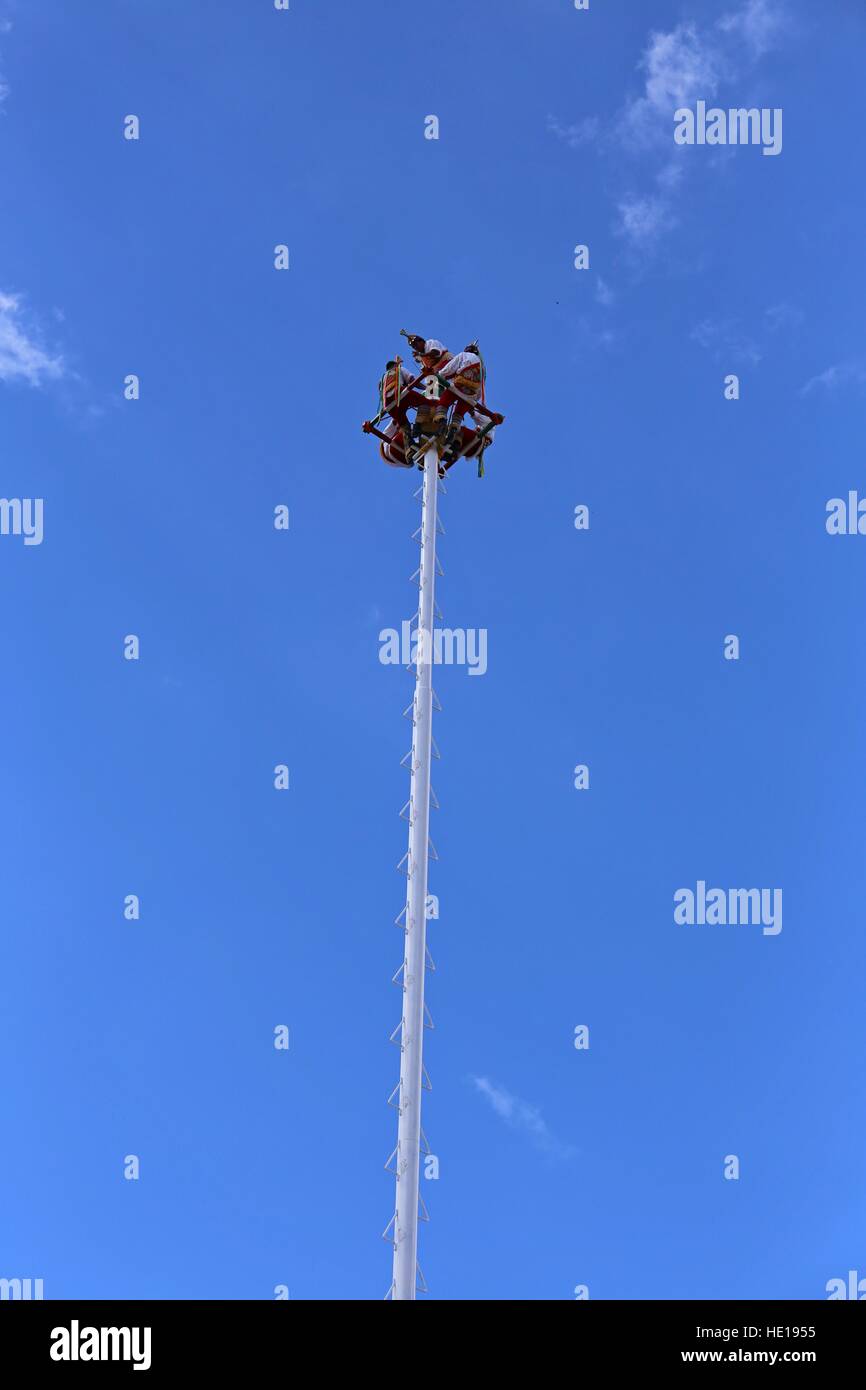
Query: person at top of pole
[446,383]
[395,397]
[465,372]
[464,368]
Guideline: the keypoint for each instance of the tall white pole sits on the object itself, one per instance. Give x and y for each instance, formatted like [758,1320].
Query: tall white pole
[412,1075]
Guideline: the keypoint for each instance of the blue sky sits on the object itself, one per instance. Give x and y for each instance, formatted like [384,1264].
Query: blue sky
[558,1167]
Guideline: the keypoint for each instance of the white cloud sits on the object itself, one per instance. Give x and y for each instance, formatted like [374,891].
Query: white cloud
[22,357]
[643,219]
[783,315]
[730,342]
[679,66]
[581,133]
[726,340]
[670,176]
[519,1114]
[5,26]
[603,293]
[758,24]
[682,66]
[587,337]
[842,374]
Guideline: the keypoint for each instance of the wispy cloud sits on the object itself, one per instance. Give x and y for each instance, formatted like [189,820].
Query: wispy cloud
[684,65]
[782,315]
[642,219]
[725,338]
[603,292]
[728,340]
[5,26]
[519,1114]
[23,357]
[586,336]
[581,133]
[834,378]
[678,67]
[759,24]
